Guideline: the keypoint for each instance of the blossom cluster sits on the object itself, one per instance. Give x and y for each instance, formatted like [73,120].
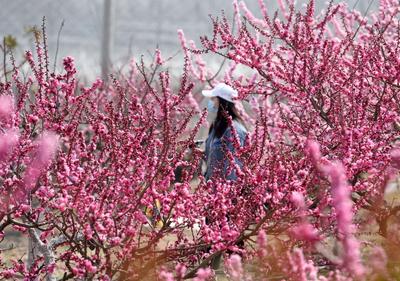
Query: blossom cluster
[89,174]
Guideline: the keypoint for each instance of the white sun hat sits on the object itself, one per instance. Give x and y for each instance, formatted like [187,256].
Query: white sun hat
[223,91]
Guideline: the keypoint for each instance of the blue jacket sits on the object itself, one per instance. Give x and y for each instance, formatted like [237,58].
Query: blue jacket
[215,155]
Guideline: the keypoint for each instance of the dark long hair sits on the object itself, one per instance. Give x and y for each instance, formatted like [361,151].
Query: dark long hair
[220,124]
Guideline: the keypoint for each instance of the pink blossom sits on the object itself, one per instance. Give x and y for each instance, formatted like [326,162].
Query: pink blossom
[395,154]
[159,59]
[6,106]
[306,232]
[262,239]
[180,270]
[166,276]
[344,213]
[378,259]
[249,15]
[8,141]
[234,267]
[47,147]
[313,149]
[89,266]
[298,199]
[203,274]
[69,65]
[182,38]
[8,274]
[236,14]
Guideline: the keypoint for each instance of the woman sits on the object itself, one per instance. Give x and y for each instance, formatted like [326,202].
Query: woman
[220,136]
[220,139]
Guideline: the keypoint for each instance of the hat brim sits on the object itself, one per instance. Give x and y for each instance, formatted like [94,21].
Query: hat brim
[211,93]
[208,93]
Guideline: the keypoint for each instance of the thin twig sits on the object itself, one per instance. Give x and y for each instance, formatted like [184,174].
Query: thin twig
[4,58]
[58,44]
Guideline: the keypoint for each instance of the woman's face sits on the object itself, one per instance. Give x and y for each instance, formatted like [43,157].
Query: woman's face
[215,100]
